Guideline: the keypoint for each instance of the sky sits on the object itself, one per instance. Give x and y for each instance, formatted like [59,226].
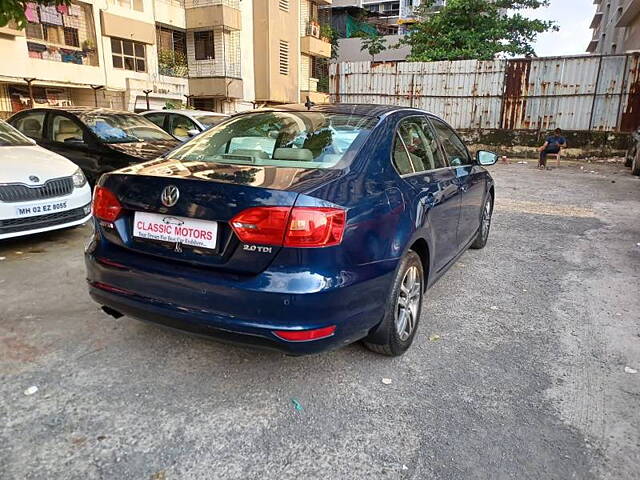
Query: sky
[573,18]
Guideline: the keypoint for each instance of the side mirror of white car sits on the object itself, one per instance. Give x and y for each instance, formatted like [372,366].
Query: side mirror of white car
[193,132]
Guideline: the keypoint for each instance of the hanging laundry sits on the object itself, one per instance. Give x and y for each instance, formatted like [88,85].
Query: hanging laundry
[36,47]
[71,21]
[49,14]
[31,12]
[75,10]
[63,9]
[35,54]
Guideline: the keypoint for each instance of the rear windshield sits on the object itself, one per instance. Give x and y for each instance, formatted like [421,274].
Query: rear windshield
[10,137]
[209,121]
[124,128]
[282,139]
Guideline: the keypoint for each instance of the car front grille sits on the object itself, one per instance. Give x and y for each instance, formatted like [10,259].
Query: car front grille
[17,192]
[13,225]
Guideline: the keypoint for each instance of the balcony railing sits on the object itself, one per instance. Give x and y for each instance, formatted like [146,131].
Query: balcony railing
[209,3]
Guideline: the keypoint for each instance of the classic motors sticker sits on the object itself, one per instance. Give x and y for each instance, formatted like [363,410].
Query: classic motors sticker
[180,230]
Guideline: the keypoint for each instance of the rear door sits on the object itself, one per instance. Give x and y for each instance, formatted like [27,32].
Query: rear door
[469,176]
[420,162]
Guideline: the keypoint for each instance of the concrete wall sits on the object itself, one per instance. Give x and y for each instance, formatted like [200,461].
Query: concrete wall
[271,25]
[349,50]
[525,143]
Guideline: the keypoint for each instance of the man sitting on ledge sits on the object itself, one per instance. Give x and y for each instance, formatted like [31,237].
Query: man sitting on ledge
[553,144]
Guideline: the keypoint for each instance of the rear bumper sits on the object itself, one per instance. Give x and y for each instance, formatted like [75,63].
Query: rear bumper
[240,310]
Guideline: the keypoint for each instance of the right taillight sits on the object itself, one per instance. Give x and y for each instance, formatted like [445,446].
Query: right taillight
[290,226]
[105,205]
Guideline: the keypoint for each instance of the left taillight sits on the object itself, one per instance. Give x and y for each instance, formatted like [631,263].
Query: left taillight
[290,226]
[106,205]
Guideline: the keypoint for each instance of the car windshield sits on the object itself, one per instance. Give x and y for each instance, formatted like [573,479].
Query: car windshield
[124,128]
[283,139]
[10,137]
[209,121]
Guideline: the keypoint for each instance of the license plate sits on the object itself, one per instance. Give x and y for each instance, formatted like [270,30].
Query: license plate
[169,228]
[41,208]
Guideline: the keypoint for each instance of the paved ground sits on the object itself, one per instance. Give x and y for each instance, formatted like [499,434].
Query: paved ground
[527,380]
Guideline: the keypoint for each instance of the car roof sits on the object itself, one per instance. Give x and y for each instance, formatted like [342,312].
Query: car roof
[79,110]
[371,110]
[187,112]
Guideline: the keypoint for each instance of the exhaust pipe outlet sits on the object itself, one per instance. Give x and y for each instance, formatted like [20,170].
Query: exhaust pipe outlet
[111,312]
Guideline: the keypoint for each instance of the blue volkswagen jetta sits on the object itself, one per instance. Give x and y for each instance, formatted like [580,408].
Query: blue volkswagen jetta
[299,229]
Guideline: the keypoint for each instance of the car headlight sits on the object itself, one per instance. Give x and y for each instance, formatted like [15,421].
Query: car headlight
[79,180]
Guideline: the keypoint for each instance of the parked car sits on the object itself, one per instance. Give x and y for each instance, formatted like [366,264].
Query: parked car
[292,229]
[39,189]
[184,124]
[98,140]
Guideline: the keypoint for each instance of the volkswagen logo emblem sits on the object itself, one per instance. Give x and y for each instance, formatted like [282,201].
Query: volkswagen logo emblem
[34,179]
[170,196]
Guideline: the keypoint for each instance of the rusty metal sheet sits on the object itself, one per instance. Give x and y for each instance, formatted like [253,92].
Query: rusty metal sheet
[585,92]
[630,102]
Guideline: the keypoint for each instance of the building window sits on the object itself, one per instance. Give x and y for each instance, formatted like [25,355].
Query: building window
[69,26]
[128,55]
[71,37]
[136,5]
[284,57]
[172,52]
[284,5]
[203,42]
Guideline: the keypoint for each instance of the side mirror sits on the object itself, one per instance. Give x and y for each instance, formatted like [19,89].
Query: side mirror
[193,132]
[486,158]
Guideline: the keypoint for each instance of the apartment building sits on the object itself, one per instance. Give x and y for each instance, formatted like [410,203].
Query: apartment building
[220,55]
[616,27]
[92,52]
[395,14]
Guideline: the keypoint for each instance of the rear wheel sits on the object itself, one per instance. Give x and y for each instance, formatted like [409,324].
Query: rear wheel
[485,224]
[395,333]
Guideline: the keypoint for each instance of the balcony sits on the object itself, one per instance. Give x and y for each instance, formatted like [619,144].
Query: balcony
[597,19]
[312,43]
[213,13]
[11,30]
[629,13]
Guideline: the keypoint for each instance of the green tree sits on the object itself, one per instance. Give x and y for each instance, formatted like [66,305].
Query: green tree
[13,10]
[474,30]
[373,44]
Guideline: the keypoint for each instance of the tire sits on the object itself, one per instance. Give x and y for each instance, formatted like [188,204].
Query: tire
[485,224]
[398,328]
[635,166]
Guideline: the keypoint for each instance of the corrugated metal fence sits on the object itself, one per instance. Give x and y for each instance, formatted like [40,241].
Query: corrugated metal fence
[573,93]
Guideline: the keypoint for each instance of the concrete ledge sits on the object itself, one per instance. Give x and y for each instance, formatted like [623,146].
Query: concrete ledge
[315,47]
[214,16]
[316,97]
[216,87]
[525,143]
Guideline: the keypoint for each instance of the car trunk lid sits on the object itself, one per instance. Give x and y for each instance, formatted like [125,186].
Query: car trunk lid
[206,193]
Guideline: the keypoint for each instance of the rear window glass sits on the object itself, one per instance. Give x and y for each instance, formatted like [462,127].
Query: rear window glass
[287,139]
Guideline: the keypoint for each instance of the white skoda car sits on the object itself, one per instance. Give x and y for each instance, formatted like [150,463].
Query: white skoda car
[39,189]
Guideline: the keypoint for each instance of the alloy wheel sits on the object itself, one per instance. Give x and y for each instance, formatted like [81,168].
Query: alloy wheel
[486,218]
[408,303]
